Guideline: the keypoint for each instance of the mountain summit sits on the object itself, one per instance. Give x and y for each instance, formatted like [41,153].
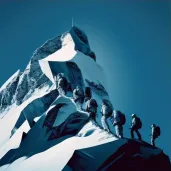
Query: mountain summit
[41,130]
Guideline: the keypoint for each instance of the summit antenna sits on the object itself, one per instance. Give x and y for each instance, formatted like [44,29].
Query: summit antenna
[72,22]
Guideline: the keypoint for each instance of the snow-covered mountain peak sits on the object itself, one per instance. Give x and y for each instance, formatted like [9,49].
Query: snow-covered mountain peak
[46,131]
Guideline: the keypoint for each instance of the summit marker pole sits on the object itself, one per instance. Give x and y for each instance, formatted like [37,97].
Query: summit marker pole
[72,22]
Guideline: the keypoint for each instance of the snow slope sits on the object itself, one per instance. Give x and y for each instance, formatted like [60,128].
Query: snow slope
[40,142]
[62,153]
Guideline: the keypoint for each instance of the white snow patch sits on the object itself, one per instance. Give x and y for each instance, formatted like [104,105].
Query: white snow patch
[66,53]
[8,122]
[15,140]
[57,157]
[90,69]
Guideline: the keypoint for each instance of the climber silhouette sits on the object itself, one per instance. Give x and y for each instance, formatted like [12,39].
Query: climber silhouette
[135,126]
[78,96]
[155,133]
[119,121]
[106,111]
[91,108]
[61,84]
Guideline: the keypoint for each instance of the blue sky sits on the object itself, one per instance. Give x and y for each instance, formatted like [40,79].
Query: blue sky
[131,39]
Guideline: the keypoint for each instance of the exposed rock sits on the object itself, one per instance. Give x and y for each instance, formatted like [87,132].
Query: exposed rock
[8,90]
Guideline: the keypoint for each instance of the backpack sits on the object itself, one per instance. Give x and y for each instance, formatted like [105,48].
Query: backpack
[93,103]
[88,92]
[92,106]
[138,123]
[69,88]
[79,92]
[122,118]
[63,82]
[107,110]
[157,130]
[119,117]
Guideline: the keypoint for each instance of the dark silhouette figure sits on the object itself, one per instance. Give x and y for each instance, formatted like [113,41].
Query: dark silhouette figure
[136,125]
[88,94]
[91,108]
[119,120]
[61,84]
[155,133]
[78,96]
[106,110]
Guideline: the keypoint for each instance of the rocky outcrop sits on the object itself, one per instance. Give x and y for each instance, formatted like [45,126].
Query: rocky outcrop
[97,88]
[33,77]
[81,42]
[7,91]
[132,156]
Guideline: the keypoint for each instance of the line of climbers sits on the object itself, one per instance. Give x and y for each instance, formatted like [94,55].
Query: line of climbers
[107,111]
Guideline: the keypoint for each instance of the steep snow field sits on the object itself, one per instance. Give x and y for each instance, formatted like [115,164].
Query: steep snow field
[90,135]
[57,157]
[8,123]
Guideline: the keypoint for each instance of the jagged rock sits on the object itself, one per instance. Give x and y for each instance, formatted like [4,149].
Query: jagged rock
[71,126]
[80,39]
[97,87]
[8,90]
[131,156]
[81,42]
[33,76]
[93,56]
[23,136]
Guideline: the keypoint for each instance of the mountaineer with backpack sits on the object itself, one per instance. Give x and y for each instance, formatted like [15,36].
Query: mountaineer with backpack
[91,108]
[78,96]
[155,133]
[119,121]
[106,110]
[136,125]
[61,84]
[88,94]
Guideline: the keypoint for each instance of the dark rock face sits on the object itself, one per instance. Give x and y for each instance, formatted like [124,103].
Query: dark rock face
[97,88]
[33,77]
[71,126]
[93,56]
[51,116]
[129,157]
[80,39]
[81,35]
[74,75]
[7,94]
[81,42]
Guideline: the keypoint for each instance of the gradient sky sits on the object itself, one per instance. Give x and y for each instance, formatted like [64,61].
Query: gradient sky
[132,41]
